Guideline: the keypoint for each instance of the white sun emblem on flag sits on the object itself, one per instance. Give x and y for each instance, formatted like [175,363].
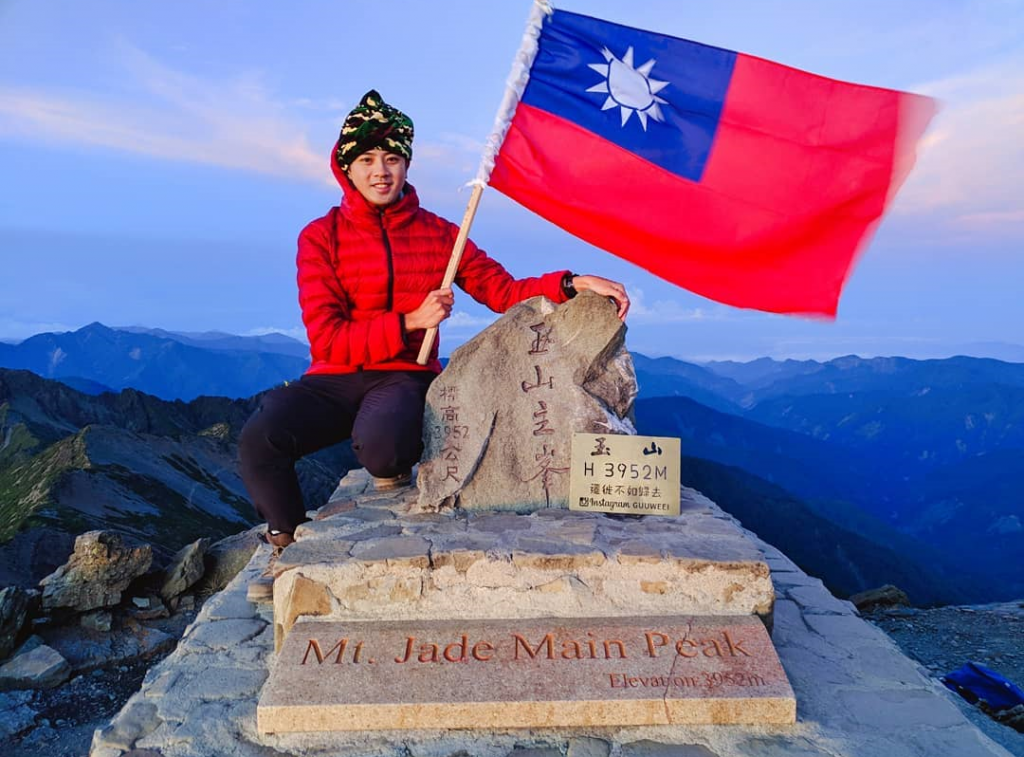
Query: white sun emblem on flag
[631,89]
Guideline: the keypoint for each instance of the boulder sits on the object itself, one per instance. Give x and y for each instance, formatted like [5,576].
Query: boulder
[1013,717]
[883,596]
[41,668]
[15,713]
[225,558]
[29,644]
[128,641]
[137,720]
[99,569]
[499,420]
[14,603]
[186,567]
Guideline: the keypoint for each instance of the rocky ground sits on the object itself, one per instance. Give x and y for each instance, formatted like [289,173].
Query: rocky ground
[73,653]
[66,716]
[944,638]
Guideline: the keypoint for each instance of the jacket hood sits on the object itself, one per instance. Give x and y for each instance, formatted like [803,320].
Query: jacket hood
[355,206]
[339,176]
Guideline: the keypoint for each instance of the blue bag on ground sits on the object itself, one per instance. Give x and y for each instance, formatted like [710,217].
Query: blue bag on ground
[973,682]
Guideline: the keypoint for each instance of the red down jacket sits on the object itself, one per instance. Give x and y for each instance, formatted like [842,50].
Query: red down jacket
[361,266]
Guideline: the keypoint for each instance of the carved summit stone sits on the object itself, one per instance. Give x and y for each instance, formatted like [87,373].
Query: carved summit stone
[499,420]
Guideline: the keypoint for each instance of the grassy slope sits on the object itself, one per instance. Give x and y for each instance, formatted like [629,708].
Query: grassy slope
[28,486]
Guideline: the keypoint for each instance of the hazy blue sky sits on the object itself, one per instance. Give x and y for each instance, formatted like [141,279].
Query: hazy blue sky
[157,161]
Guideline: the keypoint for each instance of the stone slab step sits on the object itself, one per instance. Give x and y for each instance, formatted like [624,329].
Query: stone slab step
[515,673]
[383,560]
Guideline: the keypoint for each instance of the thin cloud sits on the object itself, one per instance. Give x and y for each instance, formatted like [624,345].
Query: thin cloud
[450,159]
[460,320]
[971,164]
[462,142]
[329,105]
[180,123]
[667,311]
[236,123]
[990,219]
[14,329]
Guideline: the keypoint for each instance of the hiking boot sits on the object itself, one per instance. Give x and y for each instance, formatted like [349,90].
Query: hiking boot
[261,589]
[279,540]
[395,482]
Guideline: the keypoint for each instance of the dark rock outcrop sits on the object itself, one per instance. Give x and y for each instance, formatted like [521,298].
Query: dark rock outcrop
[128,641]
[15,713]
[100,568]
[14,603]
[883,596]
[39,668]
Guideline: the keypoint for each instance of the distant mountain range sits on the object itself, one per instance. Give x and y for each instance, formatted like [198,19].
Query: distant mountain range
[865,471]
[275,343]
[846,559]
[919,457]
[168,365]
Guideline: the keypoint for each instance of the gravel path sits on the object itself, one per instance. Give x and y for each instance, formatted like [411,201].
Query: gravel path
[944,638]
[69,714]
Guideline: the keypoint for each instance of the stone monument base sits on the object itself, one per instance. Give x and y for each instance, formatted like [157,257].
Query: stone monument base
[389,617]
[374,557]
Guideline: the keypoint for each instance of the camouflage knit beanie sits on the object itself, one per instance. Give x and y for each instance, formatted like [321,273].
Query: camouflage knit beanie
[371,124]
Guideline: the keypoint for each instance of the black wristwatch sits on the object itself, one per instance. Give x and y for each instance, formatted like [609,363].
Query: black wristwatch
[567,287]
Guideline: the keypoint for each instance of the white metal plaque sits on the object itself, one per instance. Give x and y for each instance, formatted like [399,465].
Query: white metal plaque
[615,473]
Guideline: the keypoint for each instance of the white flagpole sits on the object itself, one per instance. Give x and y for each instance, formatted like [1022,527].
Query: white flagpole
[514,87]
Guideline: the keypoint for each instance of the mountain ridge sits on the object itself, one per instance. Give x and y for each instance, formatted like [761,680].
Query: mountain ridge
[157,471]
[274,342]
[910,455]
[871,435]
[164,367]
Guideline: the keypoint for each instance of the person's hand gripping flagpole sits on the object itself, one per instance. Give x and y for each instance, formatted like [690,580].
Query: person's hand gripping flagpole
[453,266]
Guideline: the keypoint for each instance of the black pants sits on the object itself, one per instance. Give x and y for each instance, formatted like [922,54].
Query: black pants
[381,411]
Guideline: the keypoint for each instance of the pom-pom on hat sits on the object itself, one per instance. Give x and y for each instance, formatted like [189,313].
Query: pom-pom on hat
[371,124]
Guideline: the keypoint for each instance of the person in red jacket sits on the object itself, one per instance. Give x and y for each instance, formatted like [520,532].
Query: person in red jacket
[369,277]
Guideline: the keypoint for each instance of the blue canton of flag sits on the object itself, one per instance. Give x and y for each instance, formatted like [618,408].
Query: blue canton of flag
[656,96]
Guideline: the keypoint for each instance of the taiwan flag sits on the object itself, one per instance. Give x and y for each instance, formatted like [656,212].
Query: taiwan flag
[743,180]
